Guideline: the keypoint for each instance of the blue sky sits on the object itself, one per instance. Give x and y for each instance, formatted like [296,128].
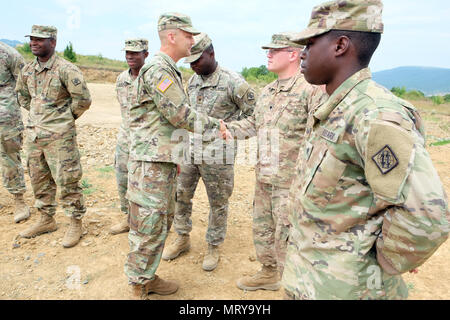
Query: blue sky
[416,32]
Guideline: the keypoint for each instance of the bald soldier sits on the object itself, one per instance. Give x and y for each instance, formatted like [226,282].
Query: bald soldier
[162,107]
[279,122]
[136,51]
[222,94]
[366,203]
[55,94]
[11,130]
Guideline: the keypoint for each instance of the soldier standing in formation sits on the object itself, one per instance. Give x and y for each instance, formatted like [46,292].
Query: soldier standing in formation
[136,51]
[366,204]
[222,94]
[279,122]
[162,107]
[55,94]
[11,130]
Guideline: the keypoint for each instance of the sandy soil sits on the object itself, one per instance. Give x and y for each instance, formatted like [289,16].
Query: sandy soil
[41,268]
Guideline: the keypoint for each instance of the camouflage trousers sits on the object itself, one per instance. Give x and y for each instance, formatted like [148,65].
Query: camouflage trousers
[151,192]
[11,164]
[55,161]
[121,166]
[219,183]
[270,224]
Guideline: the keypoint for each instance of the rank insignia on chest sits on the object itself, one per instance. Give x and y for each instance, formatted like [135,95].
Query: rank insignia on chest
[199,99]
[385,159]
[250,96]
[164,85]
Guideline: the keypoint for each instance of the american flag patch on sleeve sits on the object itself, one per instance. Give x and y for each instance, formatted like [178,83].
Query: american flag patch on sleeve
[164,85]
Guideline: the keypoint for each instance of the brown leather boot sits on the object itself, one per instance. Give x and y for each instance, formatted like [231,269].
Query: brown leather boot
[21,212]
[211,259]
[120,227]
[45,224]
[267,279]
[181,244]
[157,285]
[73,235]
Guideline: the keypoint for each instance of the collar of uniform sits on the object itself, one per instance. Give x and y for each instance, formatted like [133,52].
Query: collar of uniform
[169,61]
[289,84]
[129,78]
[212,80]
[46,65]
[341,92]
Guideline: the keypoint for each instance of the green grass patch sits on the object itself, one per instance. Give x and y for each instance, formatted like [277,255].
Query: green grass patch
[107,169]
[87,187]
[441,142]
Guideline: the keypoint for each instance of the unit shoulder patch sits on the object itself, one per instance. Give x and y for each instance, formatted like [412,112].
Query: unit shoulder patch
[385,159]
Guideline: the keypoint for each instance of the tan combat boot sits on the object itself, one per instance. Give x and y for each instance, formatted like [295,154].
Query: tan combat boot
[157,285]
[181,244]
[211,258]
[73,235]
[120,227]
[21,212]
[267,279]
[45,224]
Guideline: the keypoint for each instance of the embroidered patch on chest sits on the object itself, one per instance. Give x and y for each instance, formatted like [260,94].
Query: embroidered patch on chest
[329,135]
[164,85]
[385,159]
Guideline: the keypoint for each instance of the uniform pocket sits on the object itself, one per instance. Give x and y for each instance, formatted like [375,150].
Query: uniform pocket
[53,89]
[325,171]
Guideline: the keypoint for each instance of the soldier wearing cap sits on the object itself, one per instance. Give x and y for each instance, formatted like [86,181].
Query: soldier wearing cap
[11,130]
[156,119]
[136,51]
[279,122]
[222,94]
[55,94]
[366,204]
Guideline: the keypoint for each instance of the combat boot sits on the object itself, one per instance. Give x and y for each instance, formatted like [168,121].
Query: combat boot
[267,279]
[21,211]
[157,285]
[181,244]
[45,224]
[73,235]
[120,227]
[211,258]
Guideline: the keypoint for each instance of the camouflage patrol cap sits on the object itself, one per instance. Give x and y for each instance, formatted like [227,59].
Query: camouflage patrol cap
[282,40]
[202,41]
[136,45]
[173,20]
[43,32]
[348,15]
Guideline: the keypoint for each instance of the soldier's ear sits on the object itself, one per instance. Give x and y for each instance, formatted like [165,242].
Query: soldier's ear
[342,45]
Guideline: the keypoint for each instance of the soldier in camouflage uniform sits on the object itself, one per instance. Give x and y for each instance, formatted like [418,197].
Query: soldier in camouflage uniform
[11,129]
[136,51]
[162,107]
[222,94]
[280,115]
[55,94]
[366,204]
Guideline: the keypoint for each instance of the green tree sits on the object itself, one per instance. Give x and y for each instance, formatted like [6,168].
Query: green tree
[26,47]
[399,92]
[258,74]
[69,53]
[447,98]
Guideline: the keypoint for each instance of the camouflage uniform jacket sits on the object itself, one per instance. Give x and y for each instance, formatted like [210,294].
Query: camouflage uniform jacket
[11,62]
[124,91]
[366,203]
[55,94]
[223,95]
[279,121]
[161,107]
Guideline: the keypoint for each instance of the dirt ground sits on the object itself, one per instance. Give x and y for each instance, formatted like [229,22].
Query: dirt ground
[41,268]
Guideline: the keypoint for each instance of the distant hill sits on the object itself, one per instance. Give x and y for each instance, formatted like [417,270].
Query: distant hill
[431,81]
[12,43]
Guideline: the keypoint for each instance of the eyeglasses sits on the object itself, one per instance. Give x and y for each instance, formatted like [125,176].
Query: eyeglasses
[274,51]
